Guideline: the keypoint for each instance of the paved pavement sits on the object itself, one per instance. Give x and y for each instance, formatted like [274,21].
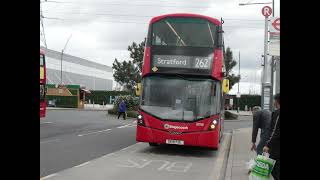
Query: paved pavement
[240,154]
[229,126]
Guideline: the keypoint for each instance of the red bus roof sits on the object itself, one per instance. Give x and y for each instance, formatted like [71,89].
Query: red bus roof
[213,20]
[42,51]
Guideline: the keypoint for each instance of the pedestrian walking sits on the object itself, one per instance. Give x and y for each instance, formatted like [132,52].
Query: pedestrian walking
[273,143]
[261,120]
[122,109]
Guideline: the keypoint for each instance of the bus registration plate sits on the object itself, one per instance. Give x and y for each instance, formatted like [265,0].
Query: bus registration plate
[171,141]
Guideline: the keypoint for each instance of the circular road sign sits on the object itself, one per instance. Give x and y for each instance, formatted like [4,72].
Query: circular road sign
[276,24]
[266,11]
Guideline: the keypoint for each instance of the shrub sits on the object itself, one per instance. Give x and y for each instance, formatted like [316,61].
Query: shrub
[132,114]
[112,111]
[132,103]
[230,116]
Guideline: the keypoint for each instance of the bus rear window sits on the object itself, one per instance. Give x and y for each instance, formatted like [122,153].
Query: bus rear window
[179,31]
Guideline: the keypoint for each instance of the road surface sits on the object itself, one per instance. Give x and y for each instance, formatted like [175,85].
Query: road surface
[69,138]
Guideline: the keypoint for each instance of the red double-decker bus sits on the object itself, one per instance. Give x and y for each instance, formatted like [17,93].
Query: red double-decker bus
[182,99]
[42,84]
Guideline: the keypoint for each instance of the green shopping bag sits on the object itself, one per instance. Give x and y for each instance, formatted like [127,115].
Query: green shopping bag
[262,168]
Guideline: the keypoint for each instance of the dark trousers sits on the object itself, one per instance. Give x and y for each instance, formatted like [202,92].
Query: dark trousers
[124,115]
[276,170]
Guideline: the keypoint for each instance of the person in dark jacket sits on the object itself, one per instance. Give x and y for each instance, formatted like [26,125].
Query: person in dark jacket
[273,144]
[261,120]
[122,109]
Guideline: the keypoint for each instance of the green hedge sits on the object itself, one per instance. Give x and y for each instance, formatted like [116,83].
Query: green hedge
[132,103]
[249,100]
[64,101]
[132,114]
[100,97]
[229,116]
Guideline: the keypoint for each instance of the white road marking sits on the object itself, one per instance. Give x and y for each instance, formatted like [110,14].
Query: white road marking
[49,176]
[46,123]
[110,154]
[53,140]
[83,164]
[123,126]
[127,125]
[94,132]
[130,146]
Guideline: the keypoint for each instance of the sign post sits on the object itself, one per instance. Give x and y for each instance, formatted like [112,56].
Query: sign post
[274,48]
[274,40]
[266,84]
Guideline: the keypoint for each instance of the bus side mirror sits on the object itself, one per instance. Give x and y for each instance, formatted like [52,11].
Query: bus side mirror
[226,85]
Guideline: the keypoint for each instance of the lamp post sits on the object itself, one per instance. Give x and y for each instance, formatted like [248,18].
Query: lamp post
[62,51]
[266,85]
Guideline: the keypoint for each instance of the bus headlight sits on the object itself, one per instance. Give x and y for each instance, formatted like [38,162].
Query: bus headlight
[140,119]
[213,124]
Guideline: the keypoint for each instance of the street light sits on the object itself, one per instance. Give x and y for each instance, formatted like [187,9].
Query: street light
[62,57]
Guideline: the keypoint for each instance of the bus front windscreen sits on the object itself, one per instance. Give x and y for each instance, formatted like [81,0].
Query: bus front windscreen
[181,31]
[179,99]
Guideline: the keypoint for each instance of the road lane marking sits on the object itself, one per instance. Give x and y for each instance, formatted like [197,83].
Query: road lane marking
[49,176]
[46,123]
[123,126]
[127,125]
[110,154]
[53,140]
[94,132]
[130,146]
[83,164]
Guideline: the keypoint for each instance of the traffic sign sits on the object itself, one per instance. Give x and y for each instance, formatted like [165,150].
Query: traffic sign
[274,25]
[266,11]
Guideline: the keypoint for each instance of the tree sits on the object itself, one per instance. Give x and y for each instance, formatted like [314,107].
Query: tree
[126,73]
[129,73]
[136,53]
[229,64]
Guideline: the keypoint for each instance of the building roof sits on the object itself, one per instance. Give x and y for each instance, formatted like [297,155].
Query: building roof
[73,59]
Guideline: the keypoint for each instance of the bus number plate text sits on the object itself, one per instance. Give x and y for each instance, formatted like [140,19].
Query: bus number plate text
[171,141]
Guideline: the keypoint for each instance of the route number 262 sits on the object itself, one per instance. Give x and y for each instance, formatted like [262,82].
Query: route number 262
[202,63]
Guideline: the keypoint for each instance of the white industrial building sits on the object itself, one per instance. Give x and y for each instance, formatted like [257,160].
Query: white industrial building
[75,70]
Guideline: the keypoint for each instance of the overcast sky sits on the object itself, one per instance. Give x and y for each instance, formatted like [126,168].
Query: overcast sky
[102,29]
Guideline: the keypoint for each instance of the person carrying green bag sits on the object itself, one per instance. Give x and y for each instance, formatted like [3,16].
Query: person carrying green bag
[273,144]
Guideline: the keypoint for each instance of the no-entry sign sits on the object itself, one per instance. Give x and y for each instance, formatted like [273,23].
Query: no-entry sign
[266,11]
[274,36]
[274,25]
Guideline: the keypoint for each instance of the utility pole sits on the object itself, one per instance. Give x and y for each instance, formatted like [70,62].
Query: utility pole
[62,51]
[43,32]
[272,70]
[239,87]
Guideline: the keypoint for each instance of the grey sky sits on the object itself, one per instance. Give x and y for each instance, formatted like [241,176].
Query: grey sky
[102,29]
